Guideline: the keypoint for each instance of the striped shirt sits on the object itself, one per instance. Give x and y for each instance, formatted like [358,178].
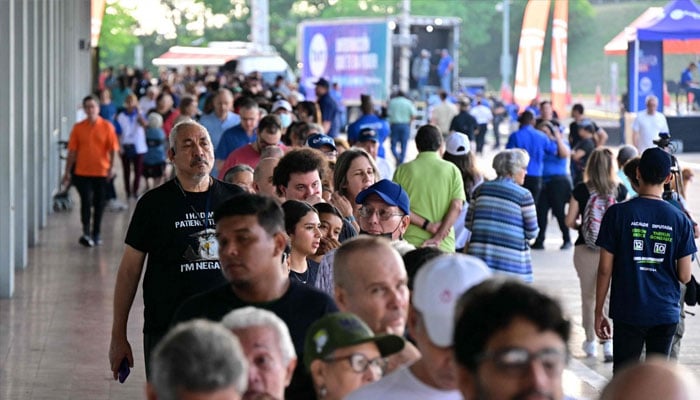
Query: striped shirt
[502,218]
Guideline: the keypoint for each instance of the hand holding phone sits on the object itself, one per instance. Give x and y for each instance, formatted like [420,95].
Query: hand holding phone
[124,370]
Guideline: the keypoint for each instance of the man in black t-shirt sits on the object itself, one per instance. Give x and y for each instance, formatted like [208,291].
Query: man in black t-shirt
[251,237]
[173,225]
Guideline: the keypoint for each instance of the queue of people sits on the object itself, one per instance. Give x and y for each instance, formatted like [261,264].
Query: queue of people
[309,254]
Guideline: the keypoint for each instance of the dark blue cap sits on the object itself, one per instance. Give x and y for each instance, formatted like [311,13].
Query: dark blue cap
[317,140]
[392,194]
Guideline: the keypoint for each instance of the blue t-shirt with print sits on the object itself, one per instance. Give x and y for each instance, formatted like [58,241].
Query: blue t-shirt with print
[646,237]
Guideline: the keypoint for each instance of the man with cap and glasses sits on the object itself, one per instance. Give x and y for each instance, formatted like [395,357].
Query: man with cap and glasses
[436,288]
[342,354]
[384,212]
[646,245]
[325,144]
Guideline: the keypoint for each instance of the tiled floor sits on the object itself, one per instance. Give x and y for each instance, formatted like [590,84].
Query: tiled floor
[54,333]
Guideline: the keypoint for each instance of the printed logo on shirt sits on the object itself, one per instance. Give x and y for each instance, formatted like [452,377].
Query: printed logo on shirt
[659,248]
[638,245]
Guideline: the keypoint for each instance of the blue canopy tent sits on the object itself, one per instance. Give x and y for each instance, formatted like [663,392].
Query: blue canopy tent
[679,21]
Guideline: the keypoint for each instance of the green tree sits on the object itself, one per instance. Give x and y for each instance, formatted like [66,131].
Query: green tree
[117,37]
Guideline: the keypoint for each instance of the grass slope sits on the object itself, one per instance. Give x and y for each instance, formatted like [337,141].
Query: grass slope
[588,65]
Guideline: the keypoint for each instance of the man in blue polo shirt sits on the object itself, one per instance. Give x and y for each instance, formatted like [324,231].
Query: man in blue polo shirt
[369,120]
[645,250]
[240,135]
[537,144]
[689,85]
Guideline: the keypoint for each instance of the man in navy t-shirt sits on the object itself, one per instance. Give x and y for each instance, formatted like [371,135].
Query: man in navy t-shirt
[645,249]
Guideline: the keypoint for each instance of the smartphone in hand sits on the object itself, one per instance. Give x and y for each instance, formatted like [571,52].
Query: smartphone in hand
[124,370]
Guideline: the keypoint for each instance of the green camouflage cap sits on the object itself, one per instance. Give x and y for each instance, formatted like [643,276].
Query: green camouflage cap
[337,330]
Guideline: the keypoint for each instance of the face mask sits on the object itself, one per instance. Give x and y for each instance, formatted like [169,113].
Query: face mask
[384,235]
[286,120]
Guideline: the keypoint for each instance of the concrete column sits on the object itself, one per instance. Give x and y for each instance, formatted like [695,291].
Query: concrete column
[33,126]
[7,157]
[43,109]
[20,149]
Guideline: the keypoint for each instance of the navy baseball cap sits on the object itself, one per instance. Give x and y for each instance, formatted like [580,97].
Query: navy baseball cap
[656,162]
[392,194]
[367,134]
[322,82]
[317,140]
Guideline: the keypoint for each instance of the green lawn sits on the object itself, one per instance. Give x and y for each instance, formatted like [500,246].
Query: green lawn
[588,65]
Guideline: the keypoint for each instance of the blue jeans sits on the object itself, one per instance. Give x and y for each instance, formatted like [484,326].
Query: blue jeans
[696,93]
[446,82]
[628,341]
[399,136]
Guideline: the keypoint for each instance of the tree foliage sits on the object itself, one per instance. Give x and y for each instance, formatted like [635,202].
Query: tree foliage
[204,21]
[117,38]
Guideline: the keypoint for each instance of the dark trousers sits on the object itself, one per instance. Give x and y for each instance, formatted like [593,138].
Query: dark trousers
[150,341]
[92,201]
[628,341]
[480,137]
[534,185]
[556,191]
[399,137]
[137,162]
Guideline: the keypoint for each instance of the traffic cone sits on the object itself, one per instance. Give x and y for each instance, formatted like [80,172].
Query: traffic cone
[598,97]
[568,94]
[667,97]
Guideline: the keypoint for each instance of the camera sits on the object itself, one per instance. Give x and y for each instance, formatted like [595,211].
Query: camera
[672,189]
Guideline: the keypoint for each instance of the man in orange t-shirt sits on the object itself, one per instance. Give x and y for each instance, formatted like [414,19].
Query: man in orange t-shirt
[92,146]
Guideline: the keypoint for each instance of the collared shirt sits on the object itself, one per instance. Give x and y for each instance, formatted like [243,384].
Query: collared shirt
[401,110]
[217,127]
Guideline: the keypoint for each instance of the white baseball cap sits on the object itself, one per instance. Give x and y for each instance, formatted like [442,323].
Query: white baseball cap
[281,104]
[437,287]
[457,144]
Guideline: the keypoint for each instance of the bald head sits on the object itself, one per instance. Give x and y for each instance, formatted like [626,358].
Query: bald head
[656,378]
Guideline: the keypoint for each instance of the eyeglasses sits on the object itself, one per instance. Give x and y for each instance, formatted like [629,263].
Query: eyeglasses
[359,362]
[517,361]
[330,153]
[383,214]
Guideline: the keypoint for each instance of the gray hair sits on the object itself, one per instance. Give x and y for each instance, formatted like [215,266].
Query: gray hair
[198,356]
[248,317]
[179,127]
[509,162]
[651,97]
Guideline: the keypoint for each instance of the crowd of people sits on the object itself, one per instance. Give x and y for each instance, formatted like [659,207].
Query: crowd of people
[281,260]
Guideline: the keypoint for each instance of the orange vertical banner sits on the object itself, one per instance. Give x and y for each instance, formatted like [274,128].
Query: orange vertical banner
[527,72]
[560,39]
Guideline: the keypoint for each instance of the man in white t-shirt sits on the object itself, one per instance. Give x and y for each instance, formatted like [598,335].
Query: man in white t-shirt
[438,284]
[648,125]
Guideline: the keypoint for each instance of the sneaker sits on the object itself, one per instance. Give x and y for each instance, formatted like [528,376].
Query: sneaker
[537,246]
[97,240]
[590,348]
[116,205]
[565,246]
[608,351]
[86,241]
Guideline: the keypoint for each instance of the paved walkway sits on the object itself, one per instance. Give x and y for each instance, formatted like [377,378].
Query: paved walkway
[54,334]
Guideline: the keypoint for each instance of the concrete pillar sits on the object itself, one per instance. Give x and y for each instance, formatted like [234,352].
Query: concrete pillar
[33,126]
[43,116]
[7,157]
[21,134]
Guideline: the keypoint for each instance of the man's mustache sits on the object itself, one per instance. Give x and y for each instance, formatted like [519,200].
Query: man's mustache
[197,159]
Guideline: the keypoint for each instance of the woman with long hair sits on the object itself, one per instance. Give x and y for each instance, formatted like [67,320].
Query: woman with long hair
[599,177]
[458,152]
[354,172]
[303,226]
